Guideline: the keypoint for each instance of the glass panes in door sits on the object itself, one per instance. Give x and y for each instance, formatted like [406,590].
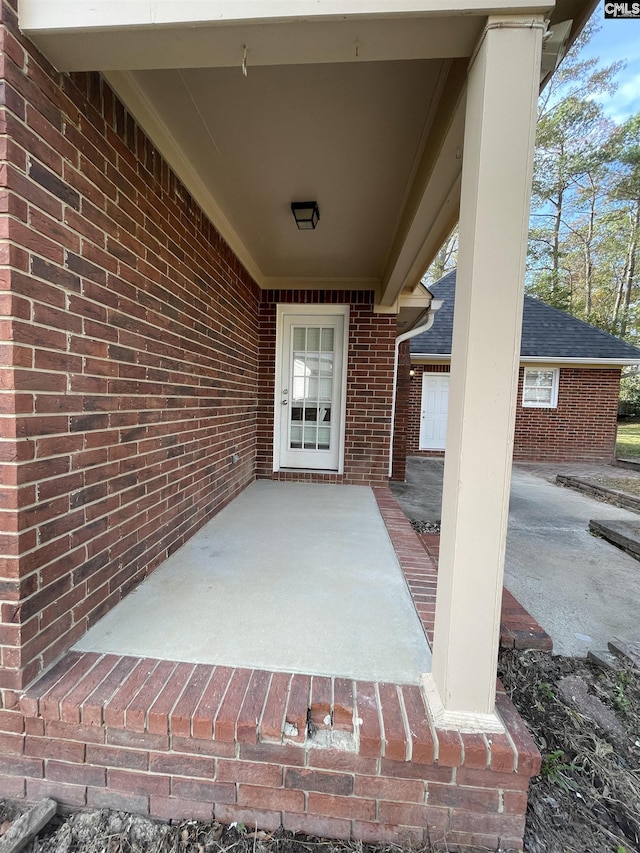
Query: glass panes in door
[312,375]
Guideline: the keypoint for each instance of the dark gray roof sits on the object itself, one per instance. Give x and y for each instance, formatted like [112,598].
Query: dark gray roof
[546,332]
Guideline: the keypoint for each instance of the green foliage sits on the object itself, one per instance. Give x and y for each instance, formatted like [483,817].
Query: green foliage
[630,389]
[620,698]
[558,770]
[623,148]
[628,440]
[585,224]
[553,289]
[545,689]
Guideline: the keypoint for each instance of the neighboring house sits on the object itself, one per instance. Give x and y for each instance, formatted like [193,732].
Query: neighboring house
[169,335]
[568,386]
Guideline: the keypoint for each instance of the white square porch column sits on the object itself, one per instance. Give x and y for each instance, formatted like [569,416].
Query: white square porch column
[494,211]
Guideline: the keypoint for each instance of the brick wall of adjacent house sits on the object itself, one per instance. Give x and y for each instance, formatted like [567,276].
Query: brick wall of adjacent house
[129,358]
[370,363]
[581,429]
[583,426]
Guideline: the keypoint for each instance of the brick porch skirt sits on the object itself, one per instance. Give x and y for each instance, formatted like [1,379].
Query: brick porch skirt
[325,756]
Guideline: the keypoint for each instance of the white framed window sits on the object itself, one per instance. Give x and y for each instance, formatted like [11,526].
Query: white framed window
[540,387]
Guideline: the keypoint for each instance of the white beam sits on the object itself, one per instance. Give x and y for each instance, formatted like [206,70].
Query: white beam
[431,208]
[128,35]
[52,15]
[215,45]
[494,211]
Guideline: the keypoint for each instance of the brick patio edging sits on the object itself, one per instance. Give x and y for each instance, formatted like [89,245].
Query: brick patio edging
[518,628]
[326,756]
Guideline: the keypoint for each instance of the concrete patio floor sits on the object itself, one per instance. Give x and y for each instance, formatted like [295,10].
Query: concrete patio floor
[290,577]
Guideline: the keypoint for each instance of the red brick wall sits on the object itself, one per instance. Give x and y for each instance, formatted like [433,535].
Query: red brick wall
[581,429]
[370,363]
[130,359]
[404,388]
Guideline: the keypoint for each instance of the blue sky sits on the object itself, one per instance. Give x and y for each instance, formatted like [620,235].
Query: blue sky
[619,39]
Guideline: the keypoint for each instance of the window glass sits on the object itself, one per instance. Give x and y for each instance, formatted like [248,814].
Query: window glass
[540,388]
[312,388]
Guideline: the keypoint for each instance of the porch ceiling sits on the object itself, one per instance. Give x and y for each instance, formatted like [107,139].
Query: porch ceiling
[356,105]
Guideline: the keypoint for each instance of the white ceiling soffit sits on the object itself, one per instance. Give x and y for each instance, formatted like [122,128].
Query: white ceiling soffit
[344,102]
[248,147]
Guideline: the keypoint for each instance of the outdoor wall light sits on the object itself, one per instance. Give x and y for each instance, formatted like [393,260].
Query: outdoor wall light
[306,214]
[412,372]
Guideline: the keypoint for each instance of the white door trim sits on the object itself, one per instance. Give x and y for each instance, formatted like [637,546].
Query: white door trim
[285,310]
[423,442]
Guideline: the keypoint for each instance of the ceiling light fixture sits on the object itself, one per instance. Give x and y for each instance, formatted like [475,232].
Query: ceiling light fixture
[306,214]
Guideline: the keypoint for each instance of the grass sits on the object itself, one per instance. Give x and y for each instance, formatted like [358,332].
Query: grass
[628,440]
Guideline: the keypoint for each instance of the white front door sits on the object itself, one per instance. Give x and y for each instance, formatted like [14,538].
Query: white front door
[310,387]
[433,415]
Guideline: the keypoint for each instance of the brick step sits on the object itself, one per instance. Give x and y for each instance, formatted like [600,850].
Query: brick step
[327,756]
[168,700]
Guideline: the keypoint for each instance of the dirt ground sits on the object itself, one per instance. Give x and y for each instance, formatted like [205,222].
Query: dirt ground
[585,719]
[630,485]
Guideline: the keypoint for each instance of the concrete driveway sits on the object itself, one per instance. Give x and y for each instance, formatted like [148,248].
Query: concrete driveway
[582,590]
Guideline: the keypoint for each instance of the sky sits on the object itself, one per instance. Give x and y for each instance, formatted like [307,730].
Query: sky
[619,39]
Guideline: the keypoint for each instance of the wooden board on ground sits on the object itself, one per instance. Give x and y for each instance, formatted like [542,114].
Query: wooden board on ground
[27,826]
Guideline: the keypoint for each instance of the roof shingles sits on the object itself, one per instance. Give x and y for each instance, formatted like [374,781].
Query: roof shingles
[546,332]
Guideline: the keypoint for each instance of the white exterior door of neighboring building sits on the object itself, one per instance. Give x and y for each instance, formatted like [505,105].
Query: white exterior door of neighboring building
[310,389]
[433,413]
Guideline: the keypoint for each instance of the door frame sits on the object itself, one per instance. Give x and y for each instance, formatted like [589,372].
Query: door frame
[315,310]
[425,375]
